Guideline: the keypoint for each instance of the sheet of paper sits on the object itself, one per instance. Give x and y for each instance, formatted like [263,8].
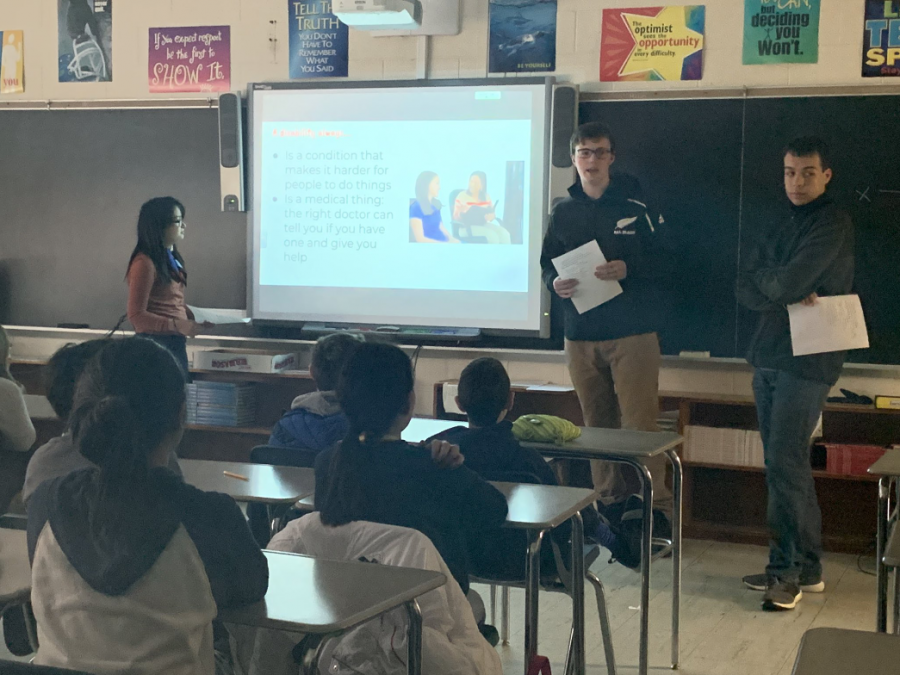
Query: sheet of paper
[218,316]
[551,387]
[580,264]
[833,324]
[525,384]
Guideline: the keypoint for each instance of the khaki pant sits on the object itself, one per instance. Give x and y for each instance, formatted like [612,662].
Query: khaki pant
[617,382]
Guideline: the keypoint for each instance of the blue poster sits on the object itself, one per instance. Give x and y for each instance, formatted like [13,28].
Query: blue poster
[523,36]
[318,41]
[881,39]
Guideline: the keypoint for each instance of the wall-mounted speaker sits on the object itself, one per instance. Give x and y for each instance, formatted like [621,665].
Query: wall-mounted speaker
[563,121]
[231,152]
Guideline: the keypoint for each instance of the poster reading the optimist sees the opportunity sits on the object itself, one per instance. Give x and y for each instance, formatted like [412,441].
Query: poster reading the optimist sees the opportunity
[881,39]
[652,43]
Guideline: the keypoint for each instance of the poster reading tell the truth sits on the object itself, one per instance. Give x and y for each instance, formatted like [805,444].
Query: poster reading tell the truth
[781,31]
[196,58]
[652,43]
[318,40]
[881,39]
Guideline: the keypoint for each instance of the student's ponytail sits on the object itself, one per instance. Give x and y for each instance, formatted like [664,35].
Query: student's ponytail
[373,391]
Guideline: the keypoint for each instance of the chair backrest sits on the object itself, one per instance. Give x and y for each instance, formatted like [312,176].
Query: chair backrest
[16,668]
[303,458]
[454,224]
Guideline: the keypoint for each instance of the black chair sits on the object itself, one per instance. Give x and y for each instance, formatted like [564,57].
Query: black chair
[456,226]
[562,583]
[260,516]
[16,668]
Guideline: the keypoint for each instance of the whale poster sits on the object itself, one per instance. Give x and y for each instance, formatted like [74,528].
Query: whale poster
[523,36]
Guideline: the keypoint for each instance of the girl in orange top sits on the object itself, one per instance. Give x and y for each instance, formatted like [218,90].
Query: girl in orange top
[157,277]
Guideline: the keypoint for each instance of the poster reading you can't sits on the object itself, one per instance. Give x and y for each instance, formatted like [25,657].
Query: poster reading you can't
[781,31]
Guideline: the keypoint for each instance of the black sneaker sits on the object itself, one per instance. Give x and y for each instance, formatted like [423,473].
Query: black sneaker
[781,596]
[761,582]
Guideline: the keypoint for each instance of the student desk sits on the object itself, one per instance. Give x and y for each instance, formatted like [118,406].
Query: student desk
[888,471]
[538,509]
[324,598]
[633,448]
[834,651]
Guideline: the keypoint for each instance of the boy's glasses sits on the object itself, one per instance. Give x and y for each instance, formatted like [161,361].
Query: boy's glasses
[599,153]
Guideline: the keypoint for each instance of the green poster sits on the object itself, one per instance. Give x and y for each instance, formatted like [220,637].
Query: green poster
[781,31]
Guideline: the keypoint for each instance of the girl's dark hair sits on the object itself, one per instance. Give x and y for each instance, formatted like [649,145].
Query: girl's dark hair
[373,391]
[62,373]
[128,399]
[423,185]
[155,217]
[482,176]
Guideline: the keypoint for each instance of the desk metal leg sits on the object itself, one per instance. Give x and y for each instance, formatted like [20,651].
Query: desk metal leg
[884,506]
[646,553]
[676,553]
[414,642]
[312,650]
[578,656]
[504,615]
[532,589]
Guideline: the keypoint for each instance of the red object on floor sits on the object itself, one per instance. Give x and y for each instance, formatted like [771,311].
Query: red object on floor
[851,460]
[540,665]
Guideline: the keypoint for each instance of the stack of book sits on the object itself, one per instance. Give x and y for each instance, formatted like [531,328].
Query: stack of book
[221,404]
[732,447]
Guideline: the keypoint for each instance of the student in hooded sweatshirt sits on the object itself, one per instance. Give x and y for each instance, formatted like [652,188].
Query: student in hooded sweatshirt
[315,421]
[59,456]
[129,564]
[16,430]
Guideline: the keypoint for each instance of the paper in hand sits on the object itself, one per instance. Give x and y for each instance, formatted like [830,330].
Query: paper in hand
[833,324]
[580,264]
[218,316]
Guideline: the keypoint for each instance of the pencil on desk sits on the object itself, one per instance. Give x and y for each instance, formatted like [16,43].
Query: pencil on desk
[236,475]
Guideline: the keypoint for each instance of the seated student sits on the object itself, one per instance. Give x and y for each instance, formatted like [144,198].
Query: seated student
[373,475]
[491,450]
[129,564]
[315,421]
[59,456]
[16,430]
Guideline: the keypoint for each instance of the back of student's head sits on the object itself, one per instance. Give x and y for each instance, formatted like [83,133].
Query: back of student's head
[129,399]
[484,391]
[63,371]
[374,391]
[4,355]
[329,356]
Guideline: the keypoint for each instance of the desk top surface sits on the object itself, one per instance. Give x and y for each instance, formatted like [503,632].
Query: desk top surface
[887,465]
[611,443]
[15,570]
[266,484]
[312,595]
[421,428]
[833,651]
[533,507]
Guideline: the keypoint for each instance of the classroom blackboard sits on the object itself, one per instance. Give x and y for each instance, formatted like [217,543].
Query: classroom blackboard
[71,185]
[713,168]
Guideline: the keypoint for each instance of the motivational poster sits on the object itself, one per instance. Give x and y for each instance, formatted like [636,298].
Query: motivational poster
[781,31]
[881,39]
[85,40]
[652,43]
[12,62]
[196,58]
[318,40]
[523,36]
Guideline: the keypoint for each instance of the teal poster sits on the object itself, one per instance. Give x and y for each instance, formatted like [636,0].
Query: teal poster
[781,31]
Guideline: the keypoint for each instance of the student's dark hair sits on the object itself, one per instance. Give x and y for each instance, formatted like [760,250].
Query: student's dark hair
[484,390]
[128,399]
[329,356]
[62,373]
[806,146]
[482,176]
[155,217]
[591,131]
[373,392]
[423,184]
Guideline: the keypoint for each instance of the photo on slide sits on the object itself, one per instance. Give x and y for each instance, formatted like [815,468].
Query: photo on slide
[85,40]
[473,216]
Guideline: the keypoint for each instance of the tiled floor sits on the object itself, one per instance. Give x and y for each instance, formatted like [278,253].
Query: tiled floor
[723,630]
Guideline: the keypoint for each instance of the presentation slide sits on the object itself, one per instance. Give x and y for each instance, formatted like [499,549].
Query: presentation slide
[407,206]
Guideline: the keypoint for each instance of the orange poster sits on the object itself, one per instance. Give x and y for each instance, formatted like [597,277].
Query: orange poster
[12,62]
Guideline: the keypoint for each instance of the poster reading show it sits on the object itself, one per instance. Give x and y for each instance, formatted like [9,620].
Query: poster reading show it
[523,36]
[781,31]
[190,59]
[12,62]
[85,40]
[652,43]
[318,40]
[881,39]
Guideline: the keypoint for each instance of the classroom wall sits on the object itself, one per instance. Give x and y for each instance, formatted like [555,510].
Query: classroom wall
[256,58]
